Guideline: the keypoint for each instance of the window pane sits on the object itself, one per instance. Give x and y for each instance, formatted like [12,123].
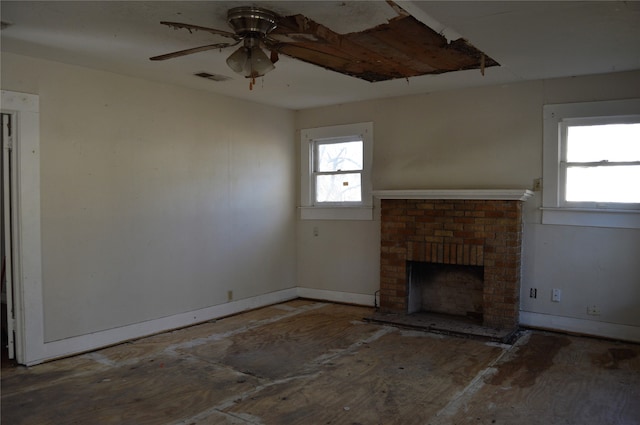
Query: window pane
[338,188]
[603,184]
[611,142]
[346,156]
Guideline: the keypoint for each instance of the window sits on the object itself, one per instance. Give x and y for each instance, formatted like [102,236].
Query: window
[601,164]
[336,165]
[592,164]
[338,171]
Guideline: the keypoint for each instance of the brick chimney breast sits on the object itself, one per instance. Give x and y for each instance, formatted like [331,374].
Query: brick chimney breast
[474,228]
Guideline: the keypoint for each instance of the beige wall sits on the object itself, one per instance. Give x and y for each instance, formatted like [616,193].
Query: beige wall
[158,200]
[155,200]
[484,138]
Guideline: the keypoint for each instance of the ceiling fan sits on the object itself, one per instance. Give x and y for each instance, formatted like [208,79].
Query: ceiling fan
[401,48]
[251,26]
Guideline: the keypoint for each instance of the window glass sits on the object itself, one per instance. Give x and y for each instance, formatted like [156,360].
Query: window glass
[600,163]
[338,188]
[603,184]
[345,156]
[610,142]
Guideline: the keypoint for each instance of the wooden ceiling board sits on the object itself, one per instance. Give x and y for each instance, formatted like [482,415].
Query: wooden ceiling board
[336,61]
[407,37]
[321,46]
[401,48]
[387,46]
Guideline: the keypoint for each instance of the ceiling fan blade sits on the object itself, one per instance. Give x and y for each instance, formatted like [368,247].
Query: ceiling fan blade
[193,50]
[189,27]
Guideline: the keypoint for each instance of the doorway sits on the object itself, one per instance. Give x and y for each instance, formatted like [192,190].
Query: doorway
[6,240]
[21,223]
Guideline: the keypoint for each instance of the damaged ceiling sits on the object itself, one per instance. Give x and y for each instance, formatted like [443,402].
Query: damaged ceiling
[401,48]
[337,51]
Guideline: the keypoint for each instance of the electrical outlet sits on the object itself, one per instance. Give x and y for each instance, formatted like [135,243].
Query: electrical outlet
[593,310]
[229,295]
[556,294]
[533,293]
[316,232]
[537,185]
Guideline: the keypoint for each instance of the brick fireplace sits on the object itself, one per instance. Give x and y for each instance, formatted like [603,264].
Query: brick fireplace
[481,229]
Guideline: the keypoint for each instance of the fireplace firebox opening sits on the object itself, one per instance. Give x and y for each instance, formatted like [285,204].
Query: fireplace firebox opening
[451,289]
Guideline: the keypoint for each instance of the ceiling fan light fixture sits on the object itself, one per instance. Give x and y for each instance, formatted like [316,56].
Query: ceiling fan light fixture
[260,63]
[238,59]
[251,24]
[250,61]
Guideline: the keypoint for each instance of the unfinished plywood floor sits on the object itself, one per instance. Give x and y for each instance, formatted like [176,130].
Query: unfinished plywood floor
[306,362]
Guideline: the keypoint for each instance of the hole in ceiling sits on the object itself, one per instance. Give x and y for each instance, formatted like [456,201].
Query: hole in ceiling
[401,48]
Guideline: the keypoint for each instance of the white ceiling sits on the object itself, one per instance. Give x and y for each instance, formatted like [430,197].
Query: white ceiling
[531,40]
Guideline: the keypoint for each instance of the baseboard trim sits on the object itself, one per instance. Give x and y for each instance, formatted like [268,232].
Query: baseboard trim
[93,341]
[336,296]
[580,326]
[96,340]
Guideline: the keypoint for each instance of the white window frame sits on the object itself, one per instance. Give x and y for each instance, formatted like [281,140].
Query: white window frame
[311,210]
[555,210]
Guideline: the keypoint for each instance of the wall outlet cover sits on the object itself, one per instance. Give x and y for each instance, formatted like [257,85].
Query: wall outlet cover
[593,310]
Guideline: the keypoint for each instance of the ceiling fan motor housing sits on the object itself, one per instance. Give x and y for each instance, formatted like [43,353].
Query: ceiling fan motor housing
[250,21]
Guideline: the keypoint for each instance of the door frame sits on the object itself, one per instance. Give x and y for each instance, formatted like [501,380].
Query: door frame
[8,200]
[27,253]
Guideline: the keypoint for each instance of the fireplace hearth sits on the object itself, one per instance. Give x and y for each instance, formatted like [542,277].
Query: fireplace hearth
[464,247]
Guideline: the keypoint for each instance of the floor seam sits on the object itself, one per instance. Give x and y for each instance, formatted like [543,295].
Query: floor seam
[171,349]
[476,383]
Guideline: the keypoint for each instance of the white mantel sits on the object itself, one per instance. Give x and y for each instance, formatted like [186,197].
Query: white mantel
[471,194]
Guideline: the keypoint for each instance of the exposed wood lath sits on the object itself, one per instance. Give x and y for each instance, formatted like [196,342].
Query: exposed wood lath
[404,47]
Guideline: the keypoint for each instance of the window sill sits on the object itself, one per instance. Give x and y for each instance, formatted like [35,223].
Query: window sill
[592,217]
[336,213]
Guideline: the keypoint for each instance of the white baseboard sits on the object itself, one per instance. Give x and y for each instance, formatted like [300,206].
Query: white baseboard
[74,345]
[581,326]
[88,342]
[335,296]
[92,341]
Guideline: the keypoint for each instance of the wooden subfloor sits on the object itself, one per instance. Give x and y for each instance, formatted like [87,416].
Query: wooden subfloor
[305,362]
